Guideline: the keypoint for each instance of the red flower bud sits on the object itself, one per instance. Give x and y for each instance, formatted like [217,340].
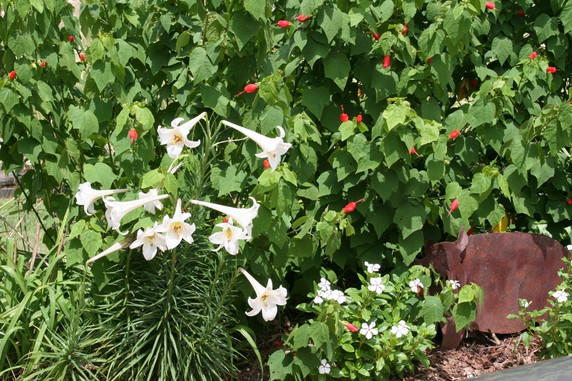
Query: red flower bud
[490,5]
[454,205]
[520,13]
[133,135]
[375,35]
[474,83]
[413,151]
[471,231]
[44,64]
[250,88]
[569,201]
[351,327]
[303,18]
[343,116]
[551,69]
[454,134]
[82,57]
[386,61]
[532,55]
[266,164]
[225,220]
[351,206]
[12,74]
[70,38]
[405,29]
[429,60]
[283,23]
[359,118]
[277,343]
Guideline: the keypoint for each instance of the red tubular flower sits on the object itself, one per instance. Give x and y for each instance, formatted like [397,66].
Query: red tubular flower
[12,74]
[44,64]
[520,12]
[283,23]
[351,206]
[454,134]
[351,327]
[454,205]
[82,57]
[303,18]
[386,61]
[70,38]
[343,116]
[250,88]
[490,5]
[551,69]
[429,60]
[413,151]
[470,231]
[266,164]
[375,35]
[405,29]
[133,135]
[359,118]
[225,220]
[569,200]
[532,55]
[474,83]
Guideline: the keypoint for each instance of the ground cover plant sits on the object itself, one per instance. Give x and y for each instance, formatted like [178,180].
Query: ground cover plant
[399,121]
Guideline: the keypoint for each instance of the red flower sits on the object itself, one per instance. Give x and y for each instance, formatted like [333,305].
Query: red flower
[343,116]
[569,201]
[386,61]
[351,327]
[520,12]
[532,55]
[551,69]
[266,164]
[429,60]
[405,29]
[70,38]
[283,23]
[12,74]
[44,64]
[413,151]
[277,343]
[454,134]
[303,18]
[133,135]
[490,5]
[250,88]
[454,205]
[471,231]
[351,206]
[474,83]
[82,57]
[376,35]
[359,118]
[225,220]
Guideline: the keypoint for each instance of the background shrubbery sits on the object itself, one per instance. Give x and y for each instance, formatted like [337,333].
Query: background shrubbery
[136,65]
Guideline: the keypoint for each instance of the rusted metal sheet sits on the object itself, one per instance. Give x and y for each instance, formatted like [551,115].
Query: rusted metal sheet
[508,266]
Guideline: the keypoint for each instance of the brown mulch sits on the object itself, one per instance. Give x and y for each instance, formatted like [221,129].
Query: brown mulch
[474,357]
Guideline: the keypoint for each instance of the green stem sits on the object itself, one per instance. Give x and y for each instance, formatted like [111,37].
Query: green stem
[170,284]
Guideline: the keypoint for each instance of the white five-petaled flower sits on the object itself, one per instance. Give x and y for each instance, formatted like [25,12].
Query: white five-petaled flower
[524,303]
[368,330]
[561,296]
[324,368]
[324,284]
[116,210]
[151,240]
[416,286]
[454,284]
[319,298]
[86,196]
[272,148]
[150,207]
[111,249]
[400,329]
[372,267]
[176,138]
[176,229]
[243,216]
[228,237]
[266,299]
[376,284]
[338,296]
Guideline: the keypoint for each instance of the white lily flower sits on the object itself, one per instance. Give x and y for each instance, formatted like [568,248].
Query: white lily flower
[86,196]
[151,240]
[151,206]
[400,329]
[116,210]
[176,228]
[266,298]
[176,138]
[228,237]
[243,216]
[272,148]
[111,249]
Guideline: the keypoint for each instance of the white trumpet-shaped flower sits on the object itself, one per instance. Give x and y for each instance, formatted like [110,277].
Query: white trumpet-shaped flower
[272,148]
[176,229]
[86,196]
[151,240]
[228,237]
[151,206]
[243,216]
[116,210]
[266,298]
[176,138]
[111,249]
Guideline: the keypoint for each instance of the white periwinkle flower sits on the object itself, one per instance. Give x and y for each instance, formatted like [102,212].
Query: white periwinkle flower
[156,204]
[176,138]
[338,296]
[376,284]
[416,286]
[400,329]
[454,284]
[86,196]
[243,216]
[228,237]
[176,229]
[372,267]
[111,249]
[266,299]
[561,296]
[368,330]
[324,284]
[524,303]
[151,240]
[272,148]
[319,298]
[116,210]
[324,368]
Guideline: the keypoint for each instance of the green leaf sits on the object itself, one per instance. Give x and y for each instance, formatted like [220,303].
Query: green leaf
[395,114]
[21,44]
[83,120]
[366,154]
[566,17]
[244,28]
[91,242]
[145,117]
[545,27]
[464,313]
[200,65]
[432,310]
[228,180]
[337,68]
[151,179]
[502,47]
[315,98]
[102,74]
[8,98]
[409,218]
[432,41]
[101,173]
[435,168]
[411,246]
[257,8]
[330,20]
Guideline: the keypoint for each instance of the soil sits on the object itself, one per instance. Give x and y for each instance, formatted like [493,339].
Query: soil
[474,357]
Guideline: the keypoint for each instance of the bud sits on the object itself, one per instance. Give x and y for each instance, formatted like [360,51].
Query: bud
[343,116]
[359,118]
[133,135]
[283,23]
[490,5]
[70,38]
[82,57]
[454,134]
[386,61]
[12,74]
[376,35]
[551,69]
[44,64]
[454,205]
[351,327]
[351,206]
[303,18]
[405,29]
[532,55]
[266,164]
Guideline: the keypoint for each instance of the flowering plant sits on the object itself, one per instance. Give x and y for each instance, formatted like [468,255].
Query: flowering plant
[551,324]
[378,328]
